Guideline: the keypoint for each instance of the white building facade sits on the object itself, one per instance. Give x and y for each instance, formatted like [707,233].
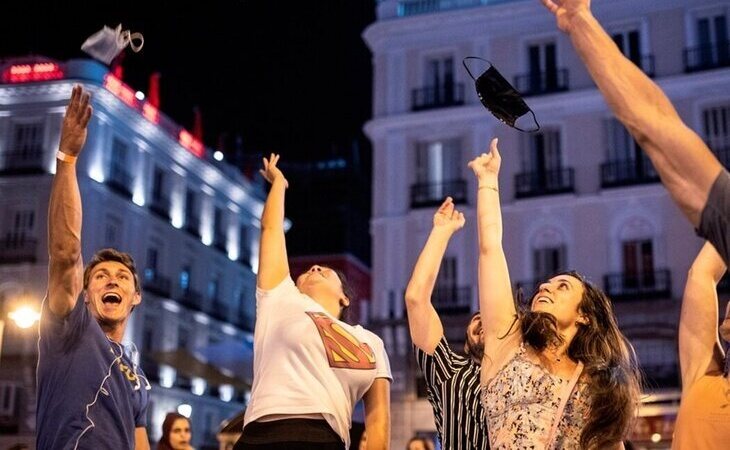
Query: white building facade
[577,194]
[151,189]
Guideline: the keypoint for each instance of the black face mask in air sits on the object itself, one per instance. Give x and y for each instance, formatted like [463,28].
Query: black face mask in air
[500,98]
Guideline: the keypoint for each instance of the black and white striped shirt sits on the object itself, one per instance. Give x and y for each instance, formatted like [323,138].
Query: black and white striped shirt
[454,393]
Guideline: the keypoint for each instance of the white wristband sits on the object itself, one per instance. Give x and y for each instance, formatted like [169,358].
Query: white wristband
[66,157]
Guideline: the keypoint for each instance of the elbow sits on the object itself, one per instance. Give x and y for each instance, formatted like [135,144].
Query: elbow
[414,295]
[67,254]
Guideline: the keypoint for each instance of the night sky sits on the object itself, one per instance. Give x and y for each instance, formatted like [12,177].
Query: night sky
[290,77]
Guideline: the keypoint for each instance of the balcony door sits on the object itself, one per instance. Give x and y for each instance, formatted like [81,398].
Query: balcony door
[638,262]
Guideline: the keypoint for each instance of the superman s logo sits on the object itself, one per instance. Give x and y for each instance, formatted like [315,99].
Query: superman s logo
[343,350]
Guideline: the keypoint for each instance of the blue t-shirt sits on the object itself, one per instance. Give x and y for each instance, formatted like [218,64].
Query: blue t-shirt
[90,395]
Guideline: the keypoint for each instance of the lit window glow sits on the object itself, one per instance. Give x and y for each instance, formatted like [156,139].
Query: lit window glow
[188,141]
[139,95]
[226,392]
[218,155]
[23,73]
[197,386]
[656,437]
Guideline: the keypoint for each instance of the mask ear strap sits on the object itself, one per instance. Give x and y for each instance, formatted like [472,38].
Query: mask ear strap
[534,119]
[136,48]
[463,61]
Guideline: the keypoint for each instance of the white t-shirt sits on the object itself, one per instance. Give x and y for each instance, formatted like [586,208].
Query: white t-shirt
[307,362]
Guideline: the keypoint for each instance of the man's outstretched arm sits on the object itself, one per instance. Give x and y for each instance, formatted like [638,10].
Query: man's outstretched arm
[65,270]
[685,164]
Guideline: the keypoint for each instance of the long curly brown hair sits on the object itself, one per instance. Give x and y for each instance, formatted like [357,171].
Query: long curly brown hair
[609,360]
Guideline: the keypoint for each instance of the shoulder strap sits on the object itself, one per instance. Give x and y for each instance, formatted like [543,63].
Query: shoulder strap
[565,394]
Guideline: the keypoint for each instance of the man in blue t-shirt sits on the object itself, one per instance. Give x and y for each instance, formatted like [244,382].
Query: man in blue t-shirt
[91,395]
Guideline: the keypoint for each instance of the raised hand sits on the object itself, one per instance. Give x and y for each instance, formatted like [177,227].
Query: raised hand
[75,122]
[486,166]
[447,217]
[270,171]
[565,10]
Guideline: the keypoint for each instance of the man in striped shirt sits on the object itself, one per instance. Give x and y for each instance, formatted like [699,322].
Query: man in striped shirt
[452,379]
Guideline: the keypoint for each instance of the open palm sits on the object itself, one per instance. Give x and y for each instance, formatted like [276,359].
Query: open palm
[75,122]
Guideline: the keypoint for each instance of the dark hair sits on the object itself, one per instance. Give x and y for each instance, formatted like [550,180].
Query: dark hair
[609,360]
[349,291]
[110,254]
[426,444]
[170,418]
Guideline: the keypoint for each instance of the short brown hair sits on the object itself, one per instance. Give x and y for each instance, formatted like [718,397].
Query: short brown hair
[110,254]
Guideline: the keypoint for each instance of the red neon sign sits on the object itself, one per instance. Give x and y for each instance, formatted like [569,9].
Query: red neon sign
[151,113]
[120,90]
[189,142]
[24,73]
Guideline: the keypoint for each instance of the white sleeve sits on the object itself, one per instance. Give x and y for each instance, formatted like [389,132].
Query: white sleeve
[286,288]
[382,363]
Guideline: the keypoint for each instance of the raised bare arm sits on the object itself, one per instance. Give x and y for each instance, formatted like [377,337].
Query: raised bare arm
[65,269]
[423,321]
[685,164]
[273,262]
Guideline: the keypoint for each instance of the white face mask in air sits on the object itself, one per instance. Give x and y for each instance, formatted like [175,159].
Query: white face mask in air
[106,43]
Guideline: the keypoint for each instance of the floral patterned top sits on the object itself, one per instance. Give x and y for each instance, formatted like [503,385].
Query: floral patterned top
[521,402]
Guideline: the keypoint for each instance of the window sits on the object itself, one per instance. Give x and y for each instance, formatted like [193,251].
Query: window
[627,163]
[21,227]
[716,128]
[638,263]
[439,72]
[119,176]
[629,42]
[192,224]
[712,48]
[8,397]
[447,274]
[543,67]
[542,153]
[548,261]
[150,270]
[185,274]
[26,148]
[438,173]
[158,185]
[112,231]
[213,288]
[183,337]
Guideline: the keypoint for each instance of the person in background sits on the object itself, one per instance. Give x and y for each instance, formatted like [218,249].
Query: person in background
[176,433]
[452,380]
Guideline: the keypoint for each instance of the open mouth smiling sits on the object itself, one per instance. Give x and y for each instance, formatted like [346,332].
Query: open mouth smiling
[111,297]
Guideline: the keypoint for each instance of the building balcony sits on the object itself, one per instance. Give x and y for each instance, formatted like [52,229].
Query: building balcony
[437,97]
[627,173]
[192,226]
[14,250]
[431,194]
[415,7]
[22,162]
[452,299]
[156,284]
[639,286]
[191,298]
[160,205]
[547,182]
[707,57]
[539,83]
[120,181]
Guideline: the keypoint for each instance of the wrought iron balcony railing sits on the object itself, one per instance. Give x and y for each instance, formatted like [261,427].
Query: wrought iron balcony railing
[452,299]
[627,173]
[14,250]
[538,83]
[437,96]
[707,57]
[547,182]
[639,286]
[430,194]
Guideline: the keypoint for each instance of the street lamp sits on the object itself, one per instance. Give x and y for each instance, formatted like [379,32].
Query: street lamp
[24,315]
